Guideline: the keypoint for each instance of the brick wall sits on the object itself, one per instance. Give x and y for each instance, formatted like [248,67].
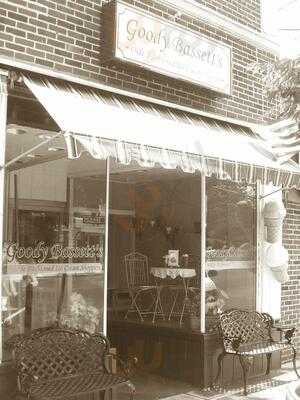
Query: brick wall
[247,12]
[290,306]
[65,35]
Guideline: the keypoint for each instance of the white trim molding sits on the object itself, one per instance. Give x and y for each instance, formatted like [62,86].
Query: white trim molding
[259,246]
[217,20]
[3,122]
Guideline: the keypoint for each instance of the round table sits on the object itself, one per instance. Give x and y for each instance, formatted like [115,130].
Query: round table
[184,273]
[170,272]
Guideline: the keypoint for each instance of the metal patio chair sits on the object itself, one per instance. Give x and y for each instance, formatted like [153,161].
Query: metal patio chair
[246,334]
[60,362]
[139,286]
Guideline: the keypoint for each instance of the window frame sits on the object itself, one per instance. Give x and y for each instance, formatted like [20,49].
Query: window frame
[259,234]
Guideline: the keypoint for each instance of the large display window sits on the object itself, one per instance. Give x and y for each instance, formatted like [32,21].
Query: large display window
[230,247]
[54,239]
[159,215]
[163,214]
[54,250]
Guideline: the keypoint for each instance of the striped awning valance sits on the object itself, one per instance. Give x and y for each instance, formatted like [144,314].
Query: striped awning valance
[149,157]
[106,124]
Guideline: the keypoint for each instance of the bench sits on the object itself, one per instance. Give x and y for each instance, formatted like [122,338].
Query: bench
[58,363]
[249,333]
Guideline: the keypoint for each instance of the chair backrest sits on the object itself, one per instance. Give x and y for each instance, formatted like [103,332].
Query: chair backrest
[247,326]
[49,353]
[137,271]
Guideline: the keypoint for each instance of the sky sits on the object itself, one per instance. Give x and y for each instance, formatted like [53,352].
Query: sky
[281,19]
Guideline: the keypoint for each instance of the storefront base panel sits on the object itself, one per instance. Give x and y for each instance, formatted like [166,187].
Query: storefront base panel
[176,353]
[8,382]
[8,386]
[179,353]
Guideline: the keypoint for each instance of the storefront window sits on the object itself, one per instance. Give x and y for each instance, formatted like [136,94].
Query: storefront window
[230,248]
[154,213]
[54,249]
[53,267]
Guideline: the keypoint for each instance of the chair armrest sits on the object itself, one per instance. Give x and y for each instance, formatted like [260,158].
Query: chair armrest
[235,341]
[26,379]
[126,366]
[288,332]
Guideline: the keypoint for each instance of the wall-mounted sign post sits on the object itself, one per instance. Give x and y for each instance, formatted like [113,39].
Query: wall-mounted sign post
[167,48]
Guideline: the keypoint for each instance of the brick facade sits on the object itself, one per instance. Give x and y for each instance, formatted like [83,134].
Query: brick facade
[247,12]
[65,35]
[290,305]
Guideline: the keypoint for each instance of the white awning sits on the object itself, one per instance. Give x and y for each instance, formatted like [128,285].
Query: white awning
[130,130]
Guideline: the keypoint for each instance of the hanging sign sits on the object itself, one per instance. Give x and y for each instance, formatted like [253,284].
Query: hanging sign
[94,219]
[165,47]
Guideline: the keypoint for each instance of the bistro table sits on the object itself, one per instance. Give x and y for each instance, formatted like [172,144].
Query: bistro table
[172,272]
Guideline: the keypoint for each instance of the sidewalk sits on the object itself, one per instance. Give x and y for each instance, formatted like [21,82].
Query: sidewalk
[151,387]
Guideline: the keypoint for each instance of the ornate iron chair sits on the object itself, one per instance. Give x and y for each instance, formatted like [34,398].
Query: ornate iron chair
[58,363]
[139,285]
[249,333]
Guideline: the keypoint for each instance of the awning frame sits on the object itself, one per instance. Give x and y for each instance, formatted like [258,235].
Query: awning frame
[202,141]
[31,150]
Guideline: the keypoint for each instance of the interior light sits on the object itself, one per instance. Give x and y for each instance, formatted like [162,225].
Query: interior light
[34,155]
[12,130]
[55,148]
[45,136]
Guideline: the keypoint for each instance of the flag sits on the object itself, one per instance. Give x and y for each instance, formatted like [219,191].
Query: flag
[282,138]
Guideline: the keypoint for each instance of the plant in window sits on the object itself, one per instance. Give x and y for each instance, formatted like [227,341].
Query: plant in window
[82,315]
[194,311]
[194,306]
[214,302]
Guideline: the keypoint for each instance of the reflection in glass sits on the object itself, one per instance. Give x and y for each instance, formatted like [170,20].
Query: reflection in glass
[230,248]
[53,267]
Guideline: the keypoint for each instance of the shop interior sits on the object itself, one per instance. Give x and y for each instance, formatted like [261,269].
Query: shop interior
[153,240]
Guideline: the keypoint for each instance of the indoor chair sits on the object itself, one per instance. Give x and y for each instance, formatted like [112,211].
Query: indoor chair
[139,286]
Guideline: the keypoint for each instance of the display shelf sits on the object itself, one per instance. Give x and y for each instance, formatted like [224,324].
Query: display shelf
[112,211]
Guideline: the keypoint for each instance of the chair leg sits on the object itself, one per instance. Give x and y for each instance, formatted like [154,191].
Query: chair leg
[158,306]
[138,308]
[182,310]
[130,307]
[245,364]
[294,361]
[269,356]
[131,388]
[173,305]
[161,308]
[219,360]
[134,307]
